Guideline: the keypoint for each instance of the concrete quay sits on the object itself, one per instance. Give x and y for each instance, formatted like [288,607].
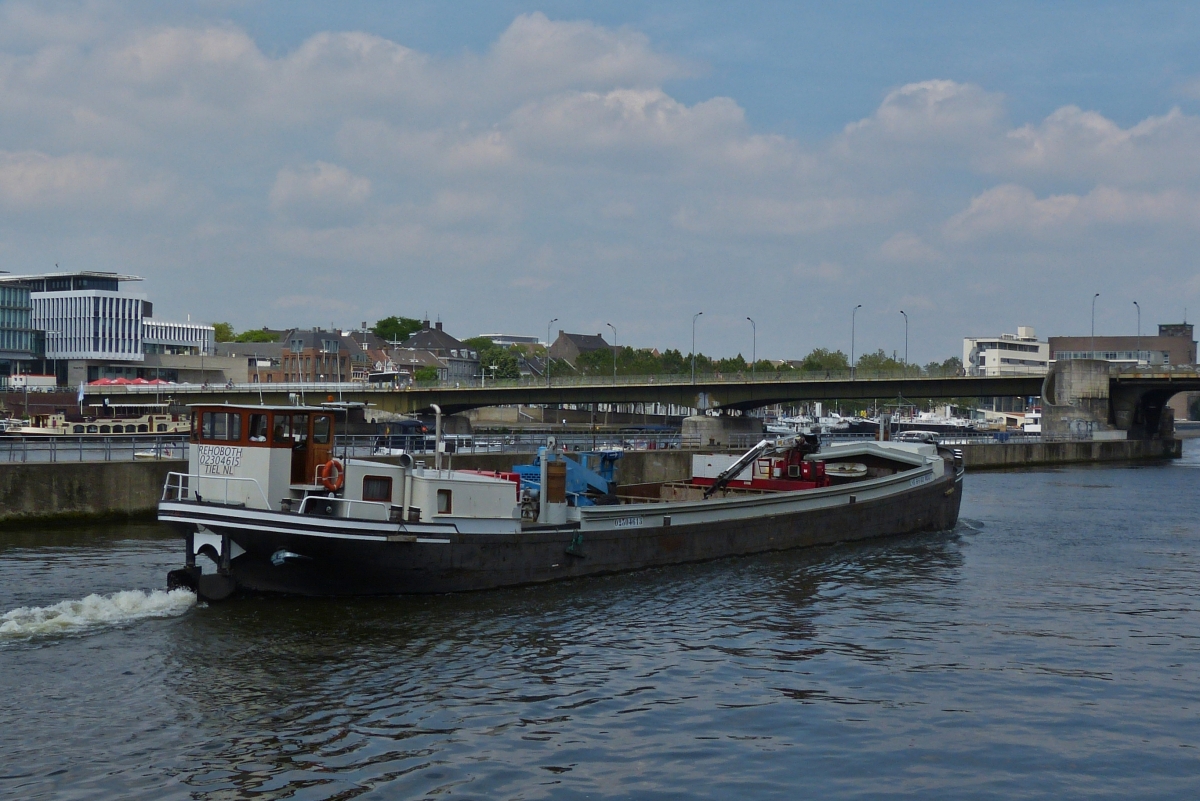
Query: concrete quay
[63,493]
[39,494]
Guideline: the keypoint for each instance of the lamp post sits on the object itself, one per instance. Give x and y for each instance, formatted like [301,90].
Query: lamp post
[614,350]
[1094,324]
[694,316]
[852,315]
[905,338]
[753,347]
[552,322]
[1137,359]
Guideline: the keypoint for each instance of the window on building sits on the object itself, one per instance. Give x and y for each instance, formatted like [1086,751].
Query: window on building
[377,488]
[444,502]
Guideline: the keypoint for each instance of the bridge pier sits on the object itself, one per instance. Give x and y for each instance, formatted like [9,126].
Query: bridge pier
[1090,399]
[704,431]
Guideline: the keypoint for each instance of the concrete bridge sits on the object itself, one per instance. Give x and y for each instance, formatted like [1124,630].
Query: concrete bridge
[1094,392]
[707,393]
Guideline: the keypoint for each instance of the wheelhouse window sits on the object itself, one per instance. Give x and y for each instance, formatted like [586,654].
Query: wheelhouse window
[281,433]
[377,488]
[258,428]
[221,426]
[445,503]
[322,426]
[299,430]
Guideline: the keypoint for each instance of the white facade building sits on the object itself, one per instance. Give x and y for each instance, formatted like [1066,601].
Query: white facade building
[84,316]
[177,338]
[94,330]
[1007,354]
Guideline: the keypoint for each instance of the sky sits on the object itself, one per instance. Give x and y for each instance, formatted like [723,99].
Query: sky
[497,165]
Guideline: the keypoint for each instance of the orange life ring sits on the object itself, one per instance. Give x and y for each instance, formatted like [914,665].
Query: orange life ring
[332,475]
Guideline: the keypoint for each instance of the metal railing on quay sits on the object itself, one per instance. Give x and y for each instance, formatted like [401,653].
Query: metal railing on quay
[92,449]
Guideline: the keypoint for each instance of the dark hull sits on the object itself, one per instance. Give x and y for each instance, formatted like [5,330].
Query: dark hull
[481,561]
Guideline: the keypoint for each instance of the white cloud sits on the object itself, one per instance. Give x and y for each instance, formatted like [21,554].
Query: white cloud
[318,187]
[908,248]
[1012,210]
[1086,145]
[30,180]
[933,112]
[555,168]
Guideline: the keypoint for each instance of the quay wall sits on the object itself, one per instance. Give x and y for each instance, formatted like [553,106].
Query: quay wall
[66,492]
[987,456]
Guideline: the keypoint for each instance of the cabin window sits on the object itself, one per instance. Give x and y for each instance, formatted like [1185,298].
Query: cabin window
[321,429]
[143,428]
[117,430]
[221,426]
[377,488]
[444,502]
[92,429]
[258,428]
[105,430]
[161,427]
[78,429]
[299,430]
[282,434]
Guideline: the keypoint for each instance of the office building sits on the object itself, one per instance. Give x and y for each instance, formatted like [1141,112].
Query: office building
[1008,354]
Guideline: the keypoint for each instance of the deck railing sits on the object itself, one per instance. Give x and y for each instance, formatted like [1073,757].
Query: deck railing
[183,487]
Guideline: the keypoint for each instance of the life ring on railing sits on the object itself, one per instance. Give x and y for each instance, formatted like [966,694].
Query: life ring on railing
[332,475]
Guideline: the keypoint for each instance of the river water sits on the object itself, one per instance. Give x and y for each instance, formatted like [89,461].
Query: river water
[1048,648]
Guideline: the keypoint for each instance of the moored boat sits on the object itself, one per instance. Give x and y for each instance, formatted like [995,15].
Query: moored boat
[266,501]
[118,419]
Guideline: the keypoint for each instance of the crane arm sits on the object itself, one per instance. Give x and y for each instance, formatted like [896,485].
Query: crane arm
[761,449]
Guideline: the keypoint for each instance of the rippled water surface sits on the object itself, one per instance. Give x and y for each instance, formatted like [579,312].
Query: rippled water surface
[1047,648]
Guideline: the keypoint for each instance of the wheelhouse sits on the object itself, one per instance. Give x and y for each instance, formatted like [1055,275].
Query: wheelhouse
[305,434]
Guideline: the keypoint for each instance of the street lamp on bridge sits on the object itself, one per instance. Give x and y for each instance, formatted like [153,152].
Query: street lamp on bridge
[905,338]
[552,322]
[614,350]
[1138,357]
[753,347]
[694,316]
[852,314]
[1094,324]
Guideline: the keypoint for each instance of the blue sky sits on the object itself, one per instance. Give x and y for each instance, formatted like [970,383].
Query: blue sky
[980,166]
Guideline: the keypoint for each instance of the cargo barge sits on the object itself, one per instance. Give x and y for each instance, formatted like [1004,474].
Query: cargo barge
[271,508]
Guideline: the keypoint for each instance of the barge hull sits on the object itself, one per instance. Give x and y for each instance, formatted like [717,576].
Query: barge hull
[454,562]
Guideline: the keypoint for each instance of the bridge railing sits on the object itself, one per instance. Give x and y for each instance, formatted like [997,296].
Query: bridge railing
[319,390]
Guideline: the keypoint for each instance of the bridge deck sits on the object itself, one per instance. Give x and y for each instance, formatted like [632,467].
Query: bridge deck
[705,393]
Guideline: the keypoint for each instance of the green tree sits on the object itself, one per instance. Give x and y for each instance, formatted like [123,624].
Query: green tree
[425,374]
[396,329]
[595,362]
[257,335]
[223,332]
[504,360]
[823,359]
[879,362]
[951,366]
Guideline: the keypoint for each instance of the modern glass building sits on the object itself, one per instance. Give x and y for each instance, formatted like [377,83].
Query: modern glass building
[16,329]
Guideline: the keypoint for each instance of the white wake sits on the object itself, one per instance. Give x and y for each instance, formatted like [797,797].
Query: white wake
[94,611]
